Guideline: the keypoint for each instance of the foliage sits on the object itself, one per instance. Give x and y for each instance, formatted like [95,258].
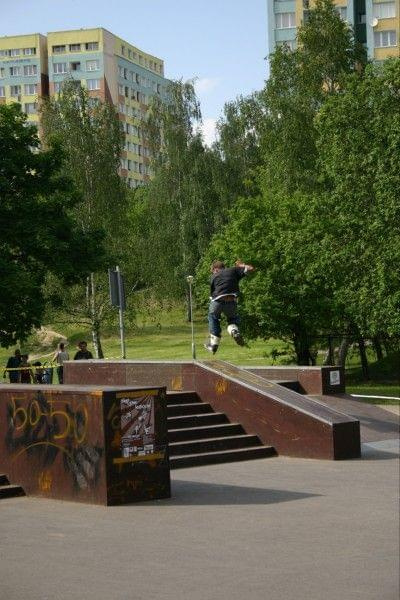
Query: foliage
[92,139]
[174,217]
[359,150]
[38,235]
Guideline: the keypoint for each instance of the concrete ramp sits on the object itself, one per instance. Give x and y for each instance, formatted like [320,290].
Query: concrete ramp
[295,425]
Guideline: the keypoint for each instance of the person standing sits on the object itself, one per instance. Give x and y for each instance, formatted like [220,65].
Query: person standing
[60,356]
[83,353]
[12,365]
[224,288]
[26,371]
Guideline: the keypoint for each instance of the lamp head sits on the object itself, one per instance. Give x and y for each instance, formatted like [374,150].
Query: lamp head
[190,279]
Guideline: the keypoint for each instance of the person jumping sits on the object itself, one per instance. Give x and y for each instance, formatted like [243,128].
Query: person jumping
[223,301]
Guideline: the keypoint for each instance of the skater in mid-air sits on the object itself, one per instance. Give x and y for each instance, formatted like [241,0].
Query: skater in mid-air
[223,301]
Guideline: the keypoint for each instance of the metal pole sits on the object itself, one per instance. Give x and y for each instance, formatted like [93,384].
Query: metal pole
[189,279]
[121,313]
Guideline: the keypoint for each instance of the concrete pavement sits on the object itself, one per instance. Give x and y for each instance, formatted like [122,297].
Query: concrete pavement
[270,529]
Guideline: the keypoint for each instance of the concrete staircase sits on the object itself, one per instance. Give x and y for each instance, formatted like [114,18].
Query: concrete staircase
[7,490]
[199,436]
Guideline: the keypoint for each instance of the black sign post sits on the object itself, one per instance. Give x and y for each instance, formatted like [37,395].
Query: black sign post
[117,298]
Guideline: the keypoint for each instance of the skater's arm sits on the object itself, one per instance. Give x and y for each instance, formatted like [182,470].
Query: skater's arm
[247,268]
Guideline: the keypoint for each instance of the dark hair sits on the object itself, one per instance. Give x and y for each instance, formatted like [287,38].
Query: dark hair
[61,345]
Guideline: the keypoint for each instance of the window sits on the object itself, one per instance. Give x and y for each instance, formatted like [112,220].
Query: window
[14,71]
[285,20]
[2,73]
[57,87]
[126,91]
[92,65]
[2,91]
[125,73]
[384,10]
[3,52]
[383,39]
[120,89]
[58,49]
[75,66]
[30,70]
[30,89]
[30,108]
[123,50]
[129,53]
[29,51]
[342,10]
[93,84]
[15,90]
[92,45]
[15,52]
[74,47]
[59,68]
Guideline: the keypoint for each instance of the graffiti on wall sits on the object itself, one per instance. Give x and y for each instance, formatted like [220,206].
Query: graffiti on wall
[46,427]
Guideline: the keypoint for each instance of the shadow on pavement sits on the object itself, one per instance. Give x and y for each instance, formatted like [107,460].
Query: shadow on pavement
[193,493]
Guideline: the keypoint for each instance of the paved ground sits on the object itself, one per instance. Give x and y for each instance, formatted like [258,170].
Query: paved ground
[376,423]
[271,529]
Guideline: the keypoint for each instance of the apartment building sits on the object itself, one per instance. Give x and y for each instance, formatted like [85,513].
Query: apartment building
[24,71]
[107,66]
[376,23]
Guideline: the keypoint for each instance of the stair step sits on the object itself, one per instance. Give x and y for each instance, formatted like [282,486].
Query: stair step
[211,458]
[11,491]
[4,479]
[182,398]
[213,444]
[193,408]
[206,431]
[197,420]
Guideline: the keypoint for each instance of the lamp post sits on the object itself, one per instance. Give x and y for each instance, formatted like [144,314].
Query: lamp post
[190,280]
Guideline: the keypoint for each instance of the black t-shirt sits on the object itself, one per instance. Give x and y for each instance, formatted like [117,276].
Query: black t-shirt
[226,282]
[83,355]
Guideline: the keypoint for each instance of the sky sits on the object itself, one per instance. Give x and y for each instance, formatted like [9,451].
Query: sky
[223,43]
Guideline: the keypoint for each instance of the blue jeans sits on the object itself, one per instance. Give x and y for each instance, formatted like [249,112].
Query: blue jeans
[218,308]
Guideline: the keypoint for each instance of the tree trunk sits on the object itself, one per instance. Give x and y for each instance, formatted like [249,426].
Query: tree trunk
[343,349]
[378,348]
[302,348]
[364,360]
[329,359]
[98,350]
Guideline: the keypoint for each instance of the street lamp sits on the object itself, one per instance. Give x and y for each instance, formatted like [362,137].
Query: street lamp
[190,280]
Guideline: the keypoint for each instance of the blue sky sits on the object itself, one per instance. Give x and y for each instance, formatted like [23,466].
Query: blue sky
[222,42]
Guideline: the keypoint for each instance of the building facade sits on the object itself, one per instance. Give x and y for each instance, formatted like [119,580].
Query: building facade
[376,23]
[108,67]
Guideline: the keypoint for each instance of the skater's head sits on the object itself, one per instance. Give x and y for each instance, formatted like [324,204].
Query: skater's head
[217,266]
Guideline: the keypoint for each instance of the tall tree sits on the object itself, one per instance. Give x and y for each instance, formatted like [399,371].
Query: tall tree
[92,139]
[38,233]
[183,204]
[359,154]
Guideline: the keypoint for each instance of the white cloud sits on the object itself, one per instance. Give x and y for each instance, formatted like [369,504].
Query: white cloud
[206,84]
[208,129]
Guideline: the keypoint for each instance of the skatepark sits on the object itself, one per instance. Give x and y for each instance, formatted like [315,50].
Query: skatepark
[276,523]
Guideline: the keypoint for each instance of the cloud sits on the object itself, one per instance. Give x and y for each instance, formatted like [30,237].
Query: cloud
[204,85]
[208,129]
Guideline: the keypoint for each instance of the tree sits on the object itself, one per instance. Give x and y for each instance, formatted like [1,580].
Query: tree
[92,139]
[300,82]
[183,204]
[359,154]
[38,234]
[288,297]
